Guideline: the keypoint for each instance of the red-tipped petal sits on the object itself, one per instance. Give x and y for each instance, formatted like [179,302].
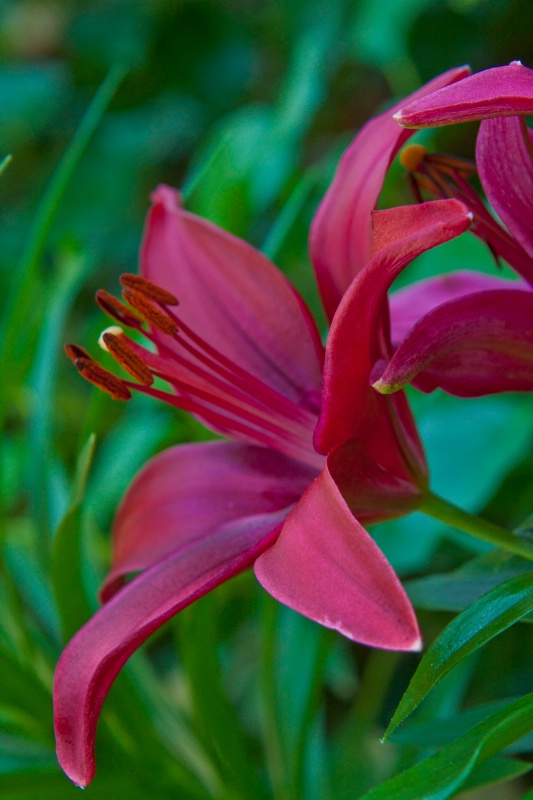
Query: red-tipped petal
[189,492]
[505,162]
[496,92]
[93,658]
[359,336]
[233,297]
[476,345]
[325,566]
[341,233]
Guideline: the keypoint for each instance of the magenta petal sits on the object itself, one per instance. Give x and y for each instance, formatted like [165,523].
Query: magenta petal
[358,337]
[408,305]
[341,233]
[496,92]
[371,492]
[476,345]
[505,163]
[92,659]
[325,566]
[233,297]
[186,494]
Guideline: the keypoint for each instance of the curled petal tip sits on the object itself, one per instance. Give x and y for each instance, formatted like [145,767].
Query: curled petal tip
[385,388]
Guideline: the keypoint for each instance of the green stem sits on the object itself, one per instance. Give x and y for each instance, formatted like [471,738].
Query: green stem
[440,509]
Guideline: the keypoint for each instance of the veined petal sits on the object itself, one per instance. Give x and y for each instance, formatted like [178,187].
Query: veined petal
[408,305]
[359,335]
[93,658]
[341,233]
[325,566]
[504,156]
[475,345]
[190,493]
[234,298]
[496,92]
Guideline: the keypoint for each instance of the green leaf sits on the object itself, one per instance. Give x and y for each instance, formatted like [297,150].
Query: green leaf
[441,775]
[455,591]
[67,553]
[496,770]
[214,715]
[5,163]
[72,267]
[23,694]
[491,614]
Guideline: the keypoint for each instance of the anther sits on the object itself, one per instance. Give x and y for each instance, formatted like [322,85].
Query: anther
[150,312]
[412,156]
[94,373]
[148,289]
[74,352]
[116,310]
[121,352]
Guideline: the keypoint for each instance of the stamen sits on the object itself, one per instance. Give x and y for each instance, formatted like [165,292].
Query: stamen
[412,156]
[150,312]
[121,352]
[148,289]
[94,373]
[452,165]
[116,310]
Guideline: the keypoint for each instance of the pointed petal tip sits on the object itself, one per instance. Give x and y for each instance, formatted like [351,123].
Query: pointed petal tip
[417,645]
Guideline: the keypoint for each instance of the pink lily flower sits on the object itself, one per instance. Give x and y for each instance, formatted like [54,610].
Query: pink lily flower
[313,450]
[467,333]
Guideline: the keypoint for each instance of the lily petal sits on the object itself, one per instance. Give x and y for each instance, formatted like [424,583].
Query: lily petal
[325,566]
[497,92]
[189,493]
[93,658]
[341,232]
[234,297]
[372,493]
[408,305]
[476,345]
[505,162]
[359,338]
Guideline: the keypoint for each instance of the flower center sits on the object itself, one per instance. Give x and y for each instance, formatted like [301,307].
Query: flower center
[445,176]
[203,381]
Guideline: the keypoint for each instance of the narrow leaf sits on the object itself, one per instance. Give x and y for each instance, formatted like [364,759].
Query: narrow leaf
[491,614]
[67,556]
[441,775]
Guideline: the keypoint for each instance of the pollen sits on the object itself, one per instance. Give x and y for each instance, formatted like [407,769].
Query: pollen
[115,330]
[154,315]
[116,310]
[117,346]
[94,373]
[148,289]
[74,351]
[412,156]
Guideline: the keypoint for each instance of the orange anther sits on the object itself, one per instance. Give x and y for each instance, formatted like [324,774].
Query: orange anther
[121,352]
[148,289]
[150,312]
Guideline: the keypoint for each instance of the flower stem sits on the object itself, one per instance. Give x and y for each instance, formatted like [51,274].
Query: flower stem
[446,512]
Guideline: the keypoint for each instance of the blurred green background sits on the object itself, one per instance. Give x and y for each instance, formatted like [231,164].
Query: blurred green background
[247,107]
